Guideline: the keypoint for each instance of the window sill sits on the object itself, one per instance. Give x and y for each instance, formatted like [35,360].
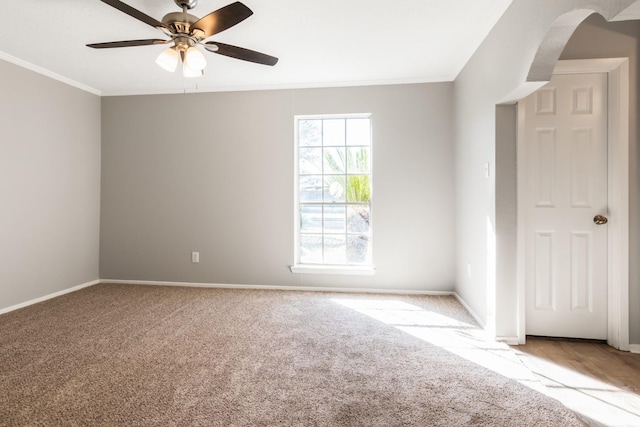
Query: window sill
[333,269]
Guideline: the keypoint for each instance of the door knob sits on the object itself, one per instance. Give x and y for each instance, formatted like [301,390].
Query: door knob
[599,219]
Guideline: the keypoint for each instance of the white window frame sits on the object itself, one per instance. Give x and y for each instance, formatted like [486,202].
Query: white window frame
[298,267]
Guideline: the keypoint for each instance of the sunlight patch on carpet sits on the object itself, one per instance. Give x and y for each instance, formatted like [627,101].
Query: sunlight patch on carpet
[460,338]
[594,399]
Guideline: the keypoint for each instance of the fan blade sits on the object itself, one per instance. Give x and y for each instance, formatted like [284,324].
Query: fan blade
[222,19]
[135,13]
[127,43]
[240,53]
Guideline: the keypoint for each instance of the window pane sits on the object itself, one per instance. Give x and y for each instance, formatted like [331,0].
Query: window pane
[311,218]
[358,160]
[333,132]
[334,188]
[335,249]
[358,250]
[334,160]
[311,188]
[358,219]
[309,132]
[358,132]
[358,188]
[334,219]
[310,161]
[311,249]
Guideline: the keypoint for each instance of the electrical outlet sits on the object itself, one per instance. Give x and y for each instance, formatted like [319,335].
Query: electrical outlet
[195,257]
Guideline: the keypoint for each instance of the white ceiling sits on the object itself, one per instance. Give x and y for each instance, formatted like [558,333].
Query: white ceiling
[319,43]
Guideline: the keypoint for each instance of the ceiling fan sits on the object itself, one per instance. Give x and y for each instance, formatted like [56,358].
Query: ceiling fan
[186,31]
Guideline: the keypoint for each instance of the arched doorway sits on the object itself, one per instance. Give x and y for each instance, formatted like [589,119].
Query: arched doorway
[543,66]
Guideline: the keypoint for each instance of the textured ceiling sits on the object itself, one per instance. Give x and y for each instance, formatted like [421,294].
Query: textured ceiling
[319,43]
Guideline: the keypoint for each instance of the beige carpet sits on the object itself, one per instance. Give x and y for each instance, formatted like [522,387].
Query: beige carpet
[160,356]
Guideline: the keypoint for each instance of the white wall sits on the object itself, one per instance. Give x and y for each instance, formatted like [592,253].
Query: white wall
[214,173]
[49,185]
[498,69]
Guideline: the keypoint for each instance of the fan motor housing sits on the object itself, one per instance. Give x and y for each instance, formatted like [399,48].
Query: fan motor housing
[179,21]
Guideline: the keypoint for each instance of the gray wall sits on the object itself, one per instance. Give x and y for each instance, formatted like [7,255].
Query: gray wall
[485,227]
[214,173]
[49,185]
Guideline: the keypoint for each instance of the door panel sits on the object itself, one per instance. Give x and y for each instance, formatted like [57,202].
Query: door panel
[566,186]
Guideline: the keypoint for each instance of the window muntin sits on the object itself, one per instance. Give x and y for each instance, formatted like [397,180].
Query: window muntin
[333,190]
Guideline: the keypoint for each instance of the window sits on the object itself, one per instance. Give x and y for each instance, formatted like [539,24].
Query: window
[333,163]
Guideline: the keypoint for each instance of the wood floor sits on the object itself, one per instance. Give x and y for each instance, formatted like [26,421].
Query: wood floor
[597,381]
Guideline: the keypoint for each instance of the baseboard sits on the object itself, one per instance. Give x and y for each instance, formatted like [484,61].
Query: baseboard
[279,288]
[477,318]
[46,297]
[634,348]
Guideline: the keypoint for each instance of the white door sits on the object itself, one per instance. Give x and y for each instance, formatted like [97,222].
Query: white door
[566,188]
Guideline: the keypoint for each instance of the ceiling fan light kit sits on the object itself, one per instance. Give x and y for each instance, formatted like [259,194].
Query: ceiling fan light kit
[194,59]
[168,59]
[186,31]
